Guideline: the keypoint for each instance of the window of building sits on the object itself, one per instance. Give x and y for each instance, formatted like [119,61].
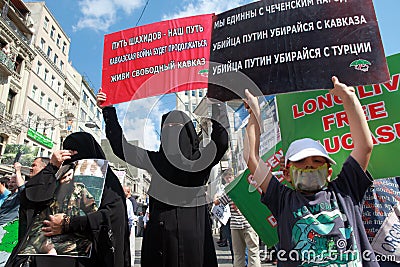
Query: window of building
[59,87]
[98,114]
[193,107]
[52,32]
[46,73]
[55,60]
[49,50]
[58,41]
[193,93]
[10,101]
[200,93]
[64,48]
[53,82]
[186,93]
[49,132]
[38,68]
[2,144]
[42,44]
[83,115]
[48,104]
[55,110]
[18,64]
[40,152]
[33,93]
[45,23]
[91,106]
[186,107]
[61,65]
[41,98]
[85,98]
[30,119]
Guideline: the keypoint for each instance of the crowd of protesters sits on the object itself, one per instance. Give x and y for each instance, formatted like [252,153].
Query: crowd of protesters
[320,217]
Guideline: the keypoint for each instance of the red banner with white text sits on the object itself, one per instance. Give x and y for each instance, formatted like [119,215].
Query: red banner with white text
[159,58]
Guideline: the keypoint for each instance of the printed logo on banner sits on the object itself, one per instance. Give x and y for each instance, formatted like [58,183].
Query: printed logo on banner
[272,221]
[361,65]
[204,73]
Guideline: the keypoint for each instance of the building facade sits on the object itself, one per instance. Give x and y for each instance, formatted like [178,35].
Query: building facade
[189,100]
[89,117]
[45,87]
[71,99]
[43,98]
[16,57]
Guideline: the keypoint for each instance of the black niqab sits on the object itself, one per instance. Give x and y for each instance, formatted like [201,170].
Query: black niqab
[180,125]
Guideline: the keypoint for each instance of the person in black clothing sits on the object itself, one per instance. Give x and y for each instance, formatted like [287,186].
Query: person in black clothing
[140,225]
[178,233]
[107,227]
[134,204]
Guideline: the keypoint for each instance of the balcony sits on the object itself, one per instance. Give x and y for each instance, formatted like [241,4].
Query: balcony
[8,123]
[6,64]
[15,18]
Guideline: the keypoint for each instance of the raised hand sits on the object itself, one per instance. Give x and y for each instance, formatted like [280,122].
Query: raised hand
[101,97]
[58,156]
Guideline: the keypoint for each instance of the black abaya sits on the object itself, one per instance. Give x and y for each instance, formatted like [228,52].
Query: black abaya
[178,233]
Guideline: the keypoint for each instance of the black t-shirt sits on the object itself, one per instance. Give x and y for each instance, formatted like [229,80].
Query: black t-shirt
[324,228]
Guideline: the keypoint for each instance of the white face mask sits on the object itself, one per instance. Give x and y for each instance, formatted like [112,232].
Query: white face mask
[309,180]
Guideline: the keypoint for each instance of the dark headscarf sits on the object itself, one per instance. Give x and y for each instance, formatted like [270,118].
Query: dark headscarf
[86,146]
[178,135]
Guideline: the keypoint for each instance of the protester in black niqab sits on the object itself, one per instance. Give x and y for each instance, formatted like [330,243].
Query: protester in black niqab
[178,233]
[176,125]
[107,228]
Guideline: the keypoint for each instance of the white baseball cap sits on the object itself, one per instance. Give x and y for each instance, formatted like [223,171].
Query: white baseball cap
[306,147]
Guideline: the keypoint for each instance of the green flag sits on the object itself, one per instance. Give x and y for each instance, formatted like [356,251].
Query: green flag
[320,116]
[247,199]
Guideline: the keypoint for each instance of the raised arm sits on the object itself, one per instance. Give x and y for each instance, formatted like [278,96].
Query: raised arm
[20,181]
[129,153]
[259,169]
[359,129]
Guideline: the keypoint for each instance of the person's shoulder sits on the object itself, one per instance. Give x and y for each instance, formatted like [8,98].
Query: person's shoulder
[5,193]
[354,166]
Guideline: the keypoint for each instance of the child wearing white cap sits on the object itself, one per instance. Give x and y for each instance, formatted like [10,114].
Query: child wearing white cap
[319,222]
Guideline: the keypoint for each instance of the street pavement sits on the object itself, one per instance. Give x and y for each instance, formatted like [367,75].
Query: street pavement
[223,254]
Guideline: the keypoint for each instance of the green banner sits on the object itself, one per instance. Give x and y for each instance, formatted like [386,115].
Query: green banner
[247,199]
[319,115]
[8,240]
[40,138]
